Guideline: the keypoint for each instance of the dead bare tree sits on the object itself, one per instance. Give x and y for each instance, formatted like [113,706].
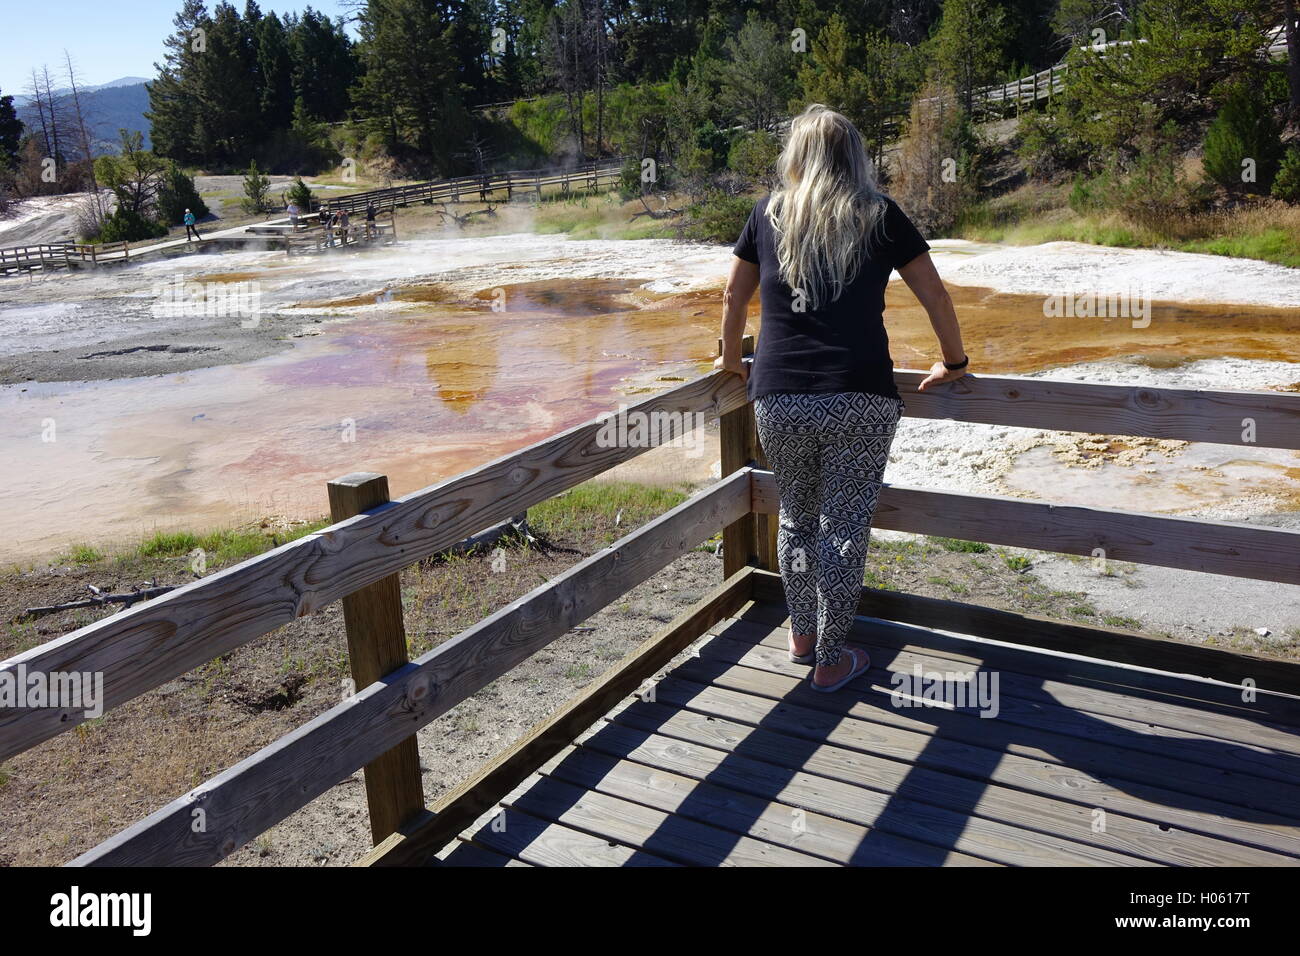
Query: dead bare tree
[38,97]
[83,131]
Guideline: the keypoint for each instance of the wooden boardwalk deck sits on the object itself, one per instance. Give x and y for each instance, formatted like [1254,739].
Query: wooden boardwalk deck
[733,760]
[1108,747]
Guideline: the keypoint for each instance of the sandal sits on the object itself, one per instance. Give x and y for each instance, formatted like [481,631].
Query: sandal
[853,674]
[800,658]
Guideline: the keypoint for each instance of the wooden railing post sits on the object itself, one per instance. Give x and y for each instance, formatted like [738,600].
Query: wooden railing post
[752,539]
[376,647]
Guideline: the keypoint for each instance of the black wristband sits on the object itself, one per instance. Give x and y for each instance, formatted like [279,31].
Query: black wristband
[956,366]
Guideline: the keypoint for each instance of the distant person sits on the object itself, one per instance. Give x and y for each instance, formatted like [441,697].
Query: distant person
[293,214]
[190,227]
[345,226]
[822,248]
[371,212]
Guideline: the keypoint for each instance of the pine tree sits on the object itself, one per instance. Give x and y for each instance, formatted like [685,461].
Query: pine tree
[275,67]
[968,53]
[1243,145]
[173,98]
[408,90]
[11,133]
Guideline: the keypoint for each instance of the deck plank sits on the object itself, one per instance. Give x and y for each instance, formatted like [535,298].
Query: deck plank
[461,853]
[730,759]
[815,728]
[1081,711]
[660,834]
[922,823]
[738,812]
[1167,700]
[1124,832]
[541,842]
[768,672]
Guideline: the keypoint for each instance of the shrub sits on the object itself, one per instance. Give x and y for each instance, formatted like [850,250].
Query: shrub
[940,162]
[256,186]
[300,194]
[1286,185]
[1244,129]
[718,217]
[177,194]
[754,157]
[629,180]
[1044,147]
[1150,190]
[124,224]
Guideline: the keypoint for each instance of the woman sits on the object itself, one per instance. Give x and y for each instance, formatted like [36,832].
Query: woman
[822,248]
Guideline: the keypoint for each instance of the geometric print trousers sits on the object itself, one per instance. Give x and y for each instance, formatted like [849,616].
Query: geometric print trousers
[828,452]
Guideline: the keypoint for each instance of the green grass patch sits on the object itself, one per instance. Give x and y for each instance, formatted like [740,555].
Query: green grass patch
[600,216]
[876,580]
[82,554]
[222,547]
[1127,623]
[607,509]
[957,544]
[580,672]
[1017,562]
[1271,245]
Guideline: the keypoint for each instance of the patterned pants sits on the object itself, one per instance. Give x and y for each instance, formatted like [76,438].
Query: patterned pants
[828,452]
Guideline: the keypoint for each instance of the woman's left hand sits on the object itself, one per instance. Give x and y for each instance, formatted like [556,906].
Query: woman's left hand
[741,368]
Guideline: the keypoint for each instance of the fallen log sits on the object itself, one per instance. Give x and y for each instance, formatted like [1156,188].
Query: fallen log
[99,599]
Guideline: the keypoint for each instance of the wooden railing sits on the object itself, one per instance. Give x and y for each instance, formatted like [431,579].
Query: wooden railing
[310,236]
[61,254]
[95,252]
[39,256]
[593,175]
[358,558]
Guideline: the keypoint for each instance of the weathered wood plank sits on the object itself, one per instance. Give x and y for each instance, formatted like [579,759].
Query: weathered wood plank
[260,791]
[376,636]
[1173,700]
[487,786]
[662,834]
[745,814]
[738,448]
[1276,681]
[1182,413]
[916,828]
[539,842]
[1072,708]
[147,645]
[908,784]
[530,841]
[763,674]
[1265,829]
[1214,547]
[470,854]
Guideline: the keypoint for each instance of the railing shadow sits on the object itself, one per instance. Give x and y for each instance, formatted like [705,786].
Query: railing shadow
[958,753]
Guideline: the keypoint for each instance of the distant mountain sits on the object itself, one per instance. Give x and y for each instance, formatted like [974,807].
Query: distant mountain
[123,81]
[109,107]
[25,99]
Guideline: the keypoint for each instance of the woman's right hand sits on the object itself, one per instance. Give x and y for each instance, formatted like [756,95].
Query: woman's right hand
[940,374]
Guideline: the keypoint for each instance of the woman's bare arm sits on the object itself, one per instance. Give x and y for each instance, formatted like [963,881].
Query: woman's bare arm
[923,279]
[735,303]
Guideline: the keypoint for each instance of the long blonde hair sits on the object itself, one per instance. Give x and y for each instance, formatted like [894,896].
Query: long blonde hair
[828,205]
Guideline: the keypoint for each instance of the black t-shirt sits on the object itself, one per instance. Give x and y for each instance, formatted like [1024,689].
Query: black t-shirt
[839,346]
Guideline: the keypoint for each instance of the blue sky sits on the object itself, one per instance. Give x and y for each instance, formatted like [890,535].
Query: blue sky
[107,40]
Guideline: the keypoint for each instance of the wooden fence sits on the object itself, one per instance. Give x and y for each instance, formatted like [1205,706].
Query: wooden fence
[60,255]
[310,236]
[358,558]
[593,175]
